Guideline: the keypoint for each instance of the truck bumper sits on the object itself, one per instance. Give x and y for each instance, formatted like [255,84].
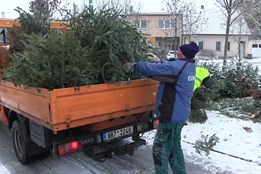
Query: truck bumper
[124,149]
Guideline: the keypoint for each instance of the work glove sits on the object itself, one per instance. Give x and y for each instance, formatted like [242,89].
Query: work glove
[129,66]
[152,57]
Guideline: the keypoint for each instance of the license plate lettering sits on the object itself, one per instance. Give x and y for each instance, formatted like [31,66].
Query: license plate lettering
[118,133]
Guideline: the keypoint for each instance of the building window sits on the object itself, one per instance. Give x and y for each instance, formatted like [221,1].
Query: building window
[166,24]
[218,46]
[161,24]
[173,23]
[143,24]
[200,45]
[259,45]
[254,45]
[140,23]
[169,47]
[137,23]
[158,44]
[228,46]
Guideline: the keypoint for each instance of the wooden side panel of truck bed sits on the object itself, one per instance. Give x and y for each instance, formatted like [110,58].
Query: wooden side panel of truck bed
[33,103]
[65,108]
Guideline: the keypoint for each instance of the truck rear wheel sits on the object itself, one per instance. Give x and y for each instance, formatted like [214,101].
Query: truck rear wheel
[19,143]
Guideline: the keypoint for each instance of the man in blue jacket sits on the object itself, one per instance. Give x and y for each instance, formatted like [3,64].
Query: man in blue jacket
[173,106]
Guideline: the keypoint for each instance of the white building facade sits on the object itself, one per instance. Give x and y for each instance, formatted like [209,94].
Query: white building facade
[213,45]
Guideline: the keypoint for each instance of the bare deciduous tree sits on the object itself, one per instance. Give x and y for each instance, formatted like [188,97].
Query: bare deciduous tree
[253,19]
[192,20]
[240,32]
[232,9]
[44,8]
[174,7]
[126,6]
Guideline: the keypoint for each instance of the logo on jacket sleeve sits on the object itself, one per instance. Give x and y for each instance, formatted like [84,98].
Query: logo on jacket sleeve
[191,78]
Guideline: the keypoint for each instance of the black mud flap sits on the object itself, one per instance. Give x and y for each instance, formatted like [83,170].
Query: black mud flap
[119,150]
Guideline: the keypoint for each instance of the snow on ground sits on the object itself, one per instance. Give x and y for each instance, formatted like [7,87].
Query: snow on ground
[239,144]
[4,170]
[238,150]
[255,62]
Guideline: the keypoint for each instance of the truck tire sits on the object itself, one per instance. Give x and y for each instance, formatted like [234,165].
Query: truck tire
[20,145]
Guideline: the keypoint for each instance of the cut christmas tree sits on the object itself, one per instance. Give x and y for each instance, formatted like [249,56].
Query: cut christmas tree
[94,51]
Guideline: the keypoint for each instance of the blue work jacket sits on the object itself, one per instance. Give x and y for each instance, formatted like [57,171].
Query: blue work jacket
[173,100]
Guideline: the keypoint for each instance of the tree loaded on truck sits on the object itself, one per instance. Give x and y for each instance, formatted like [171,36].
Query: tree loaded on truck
[55,96]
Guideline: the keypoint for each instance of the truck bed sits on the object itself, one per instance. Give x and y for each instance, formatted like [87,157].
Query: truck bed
[64,108]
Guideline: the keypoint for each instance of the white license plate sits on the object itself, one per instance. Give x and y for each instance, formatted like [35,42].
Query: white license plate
[117,133]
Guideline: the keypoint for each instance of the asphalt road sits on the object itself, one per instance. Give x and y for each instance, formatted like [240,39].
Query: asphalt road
[140,163]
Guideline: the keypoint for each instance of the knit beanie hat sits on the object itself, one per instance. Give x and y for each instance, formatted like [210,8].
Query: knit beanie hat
[189,50]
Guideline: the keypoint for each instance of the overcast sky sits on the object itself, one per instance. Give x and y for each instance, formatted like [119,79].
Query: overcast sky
[211,12]
[7,6]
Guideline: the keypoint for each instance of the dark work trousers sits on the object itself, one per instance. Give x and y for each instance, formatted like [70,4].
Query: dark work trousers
[167,149]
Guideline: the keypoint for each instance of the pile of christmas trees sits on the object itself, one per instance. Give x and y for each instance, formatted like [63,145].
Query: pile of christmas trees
[94,51]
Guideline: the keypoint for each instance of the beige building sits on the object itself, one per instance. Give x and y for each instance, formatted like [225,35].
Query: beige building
[159,29]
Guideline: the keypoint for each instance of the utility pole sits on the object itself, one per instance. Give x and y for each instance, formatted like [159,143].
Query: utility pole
[90,5]
[2,14]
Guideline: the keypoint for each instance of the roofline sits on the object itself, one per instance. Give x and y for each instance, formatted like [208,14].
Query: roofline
[154,14]
[218,34]
[8,19]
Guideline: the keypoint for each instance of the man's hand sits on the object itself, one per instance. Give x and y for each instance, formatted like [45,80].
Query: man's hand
[129,66]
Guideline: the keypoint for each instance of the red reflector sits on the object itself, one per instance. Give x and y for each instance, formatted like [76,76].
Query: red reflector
[139,127]
[71,147]
[156,123]
[74,145]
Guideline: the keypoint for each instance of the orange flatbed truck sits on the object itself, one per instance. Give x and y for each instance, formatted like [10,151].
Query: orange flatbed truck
[88,118]
[70,119]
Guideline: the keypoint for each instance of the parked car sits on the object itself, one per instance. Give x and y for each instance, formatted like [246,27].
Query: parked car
[172,54]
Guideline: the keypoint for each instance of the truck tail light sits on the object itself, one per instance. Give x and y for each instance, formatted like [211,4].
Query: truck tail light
[155,123]
[141,127]
[68,148]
